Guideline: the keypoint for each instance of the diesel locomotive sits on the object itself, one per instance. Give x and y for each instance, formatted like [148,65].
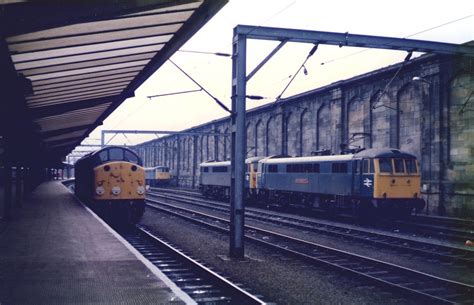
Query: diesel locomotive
[381,179]
[157,176]
[112,182]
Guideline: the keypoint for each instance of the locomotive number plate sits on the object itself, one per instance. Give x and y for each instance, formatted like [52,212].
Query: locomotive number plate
[301,181]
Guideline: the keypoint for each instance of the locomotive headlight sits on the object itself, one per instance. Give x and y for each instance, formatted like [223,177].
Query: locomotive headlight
[116,190]
[100,190]
[140,190]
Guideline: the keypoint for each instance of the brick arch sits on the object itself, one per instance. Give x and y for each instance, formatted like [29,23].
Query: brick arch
[379,120]
[249,132]
[356,120]
[292,134]
[305,138]
[183,152]
[174,155]
[203,149]
[190,155]
[461,116]
[259,138]
[210,147]
[226,145]
[272,136]
[410,119]
[323,127]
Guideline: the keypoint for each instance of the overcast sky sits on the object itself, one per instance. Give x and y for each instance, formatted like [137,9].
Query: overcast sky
[445,21]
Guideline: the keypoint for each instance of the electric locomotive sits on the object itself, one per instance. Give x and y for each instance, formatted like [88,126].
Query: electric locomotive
[386,179]
[112,182]
[157,176]
[215,178]
[373,179]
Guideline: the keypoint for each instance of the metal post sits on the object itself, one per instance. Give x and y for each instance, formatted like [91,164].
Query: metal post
[102,138]
[238,145]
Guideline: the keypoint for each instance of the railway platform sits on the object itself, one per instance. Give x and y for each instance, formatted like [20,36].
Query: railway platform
[54,251]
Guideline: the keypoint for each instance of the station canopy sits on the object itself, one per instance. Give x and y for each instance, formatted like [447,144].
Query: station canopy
[74,63]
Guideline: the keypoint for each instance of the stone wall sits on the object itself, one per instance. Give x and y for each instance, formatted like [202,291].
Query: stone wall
[432,118]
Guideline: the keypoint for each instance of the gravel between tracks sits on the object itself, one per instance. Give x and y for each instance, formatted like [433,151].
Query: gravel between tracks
[280,279]
[443,269]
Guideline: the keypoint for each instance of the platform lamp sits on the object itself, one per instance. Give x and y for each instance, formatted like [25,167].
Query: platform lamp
[427,187]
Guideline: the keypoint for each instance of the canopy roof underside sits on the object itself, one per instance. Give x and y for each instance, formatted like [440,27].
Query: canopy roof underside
[78,62]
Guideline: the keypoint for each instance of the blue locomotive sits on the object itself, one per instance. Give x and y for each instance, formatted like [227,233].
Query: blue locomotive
[387,179]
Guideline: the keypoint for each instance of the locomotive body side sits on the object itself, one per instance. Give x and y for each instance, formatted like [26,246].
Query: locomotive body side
[215,179]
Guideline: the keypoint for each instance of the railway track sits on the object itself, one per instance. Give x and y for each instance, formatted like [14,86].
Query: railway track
[201,283]
[406,281]
[443,228]
[425,249]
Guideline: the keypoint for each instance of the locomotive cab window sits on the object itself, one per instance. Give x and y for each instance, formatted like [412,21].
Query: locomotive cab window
[205,169]
[398,166]
[116,154]
[103,156]
[357,165]
[130,157]
[368,166]
[411,166]
[385,165]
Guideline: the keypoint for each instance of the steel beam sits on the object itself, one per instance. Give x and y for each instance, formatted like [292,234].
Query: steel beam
[352,40]
[238,145]
[269,56]
[156,132]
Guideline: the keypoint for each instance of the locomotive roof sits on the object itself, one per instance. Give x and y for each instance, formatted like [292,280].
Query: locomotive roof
[307,159]
[253,159]
[367,153]
[91,154]
[215,163]
[227,163]
[111,147]
[155,167]
[384,152]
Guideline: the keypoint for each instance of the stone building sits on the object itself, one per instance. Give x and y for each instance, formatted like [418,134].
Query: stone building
[432,118]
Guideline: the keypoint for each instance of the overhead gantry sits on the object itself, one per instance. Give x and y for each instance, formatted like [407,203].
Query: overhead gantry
[240,78]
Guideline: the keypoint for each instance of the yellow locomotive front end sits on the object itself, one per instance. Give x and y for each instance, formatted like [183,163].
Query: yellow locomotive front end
[397,183]
[163,176]
[120,191]
[119,180]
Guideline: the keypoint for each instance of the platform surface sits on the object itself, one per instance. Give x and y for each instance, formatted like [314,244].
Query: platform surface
[53,251]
